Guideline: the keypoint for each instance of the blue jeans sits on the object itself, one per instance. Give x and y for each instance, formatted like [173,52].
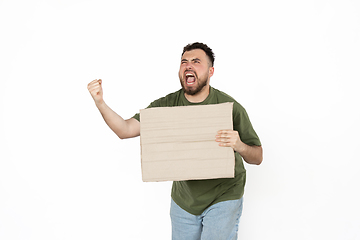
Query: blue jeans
[218,222]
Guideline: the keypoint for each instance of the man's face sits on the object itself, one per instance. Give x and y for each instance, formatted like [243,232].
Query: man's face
[195,71]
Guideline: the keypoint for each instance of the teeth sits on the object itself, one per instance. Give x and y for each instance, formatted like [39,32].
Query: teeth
[189,74]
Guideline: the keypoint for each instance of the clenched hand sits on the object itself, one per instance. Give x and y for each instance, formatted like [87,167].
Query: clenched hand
[96,91]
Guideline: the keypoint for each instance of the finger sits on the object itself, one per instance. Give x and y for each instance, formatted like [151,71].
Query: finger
[224,136]
[225,131]
[95,92]
[224,145]
[93,83]
[94,88]
[96,81]
[223,140]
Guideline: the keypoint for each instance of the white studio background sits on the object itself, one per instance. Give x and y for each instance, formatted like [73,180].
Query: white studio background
[294,65]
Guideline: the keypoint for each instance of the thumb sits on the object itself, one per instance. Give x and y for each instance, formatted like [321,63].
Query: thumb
[99,81]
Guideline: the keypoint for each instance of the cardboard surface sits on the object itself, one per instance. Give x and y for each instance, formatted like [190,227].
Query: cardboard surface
[178,143]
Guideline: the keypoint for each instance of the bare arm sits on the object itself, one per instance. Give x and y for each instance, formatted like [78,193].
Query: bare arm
[230,138]
[122,128]
[252,154]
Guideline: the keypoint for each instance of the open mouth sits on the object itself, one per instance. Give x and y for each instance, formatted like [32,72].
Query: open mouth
[190,78]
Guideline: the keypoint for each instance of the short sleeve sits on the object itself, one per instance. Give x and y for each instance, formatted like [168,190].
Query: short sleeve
[156,103]
[137,116]
[243,125]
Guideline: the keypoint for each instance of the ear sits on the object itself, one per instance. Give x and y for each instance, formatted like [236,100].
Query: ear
[211,71]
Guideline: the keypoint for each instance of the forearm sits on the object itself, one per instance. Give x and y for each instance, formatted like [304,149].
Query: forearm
[117,124]
[251,154]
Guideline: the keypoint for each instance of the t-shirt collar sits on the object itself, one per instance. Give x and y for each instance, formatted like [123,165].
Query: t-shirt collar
[206,101]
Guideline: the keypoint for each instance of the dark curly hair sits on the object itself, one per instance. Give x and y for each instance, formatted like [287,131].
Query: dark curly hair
[203,47]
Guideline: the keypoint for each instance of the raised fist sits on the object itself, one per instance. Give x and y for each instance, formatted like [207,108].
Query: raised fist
[96,91]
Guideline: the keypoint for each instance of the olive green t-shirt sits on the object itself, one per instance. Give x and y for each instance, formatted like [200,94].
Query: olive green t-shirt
[194,196]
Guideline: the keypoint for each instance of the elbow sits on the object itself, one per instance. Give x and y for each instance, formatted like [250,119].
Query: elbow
[256,157]
[259,158]
[122,137]
[254,161]
[259,161]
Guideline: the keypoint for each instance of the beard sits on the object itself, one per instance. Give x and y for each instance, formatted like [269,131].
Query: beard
[197,87]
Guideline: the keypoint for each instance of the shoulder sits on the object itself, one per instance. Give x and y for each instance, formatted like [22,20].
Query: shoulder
[223,97]
[167,101]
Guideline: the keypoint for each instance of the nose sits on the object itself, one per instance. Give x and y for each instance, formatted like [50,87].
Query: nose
[188,66]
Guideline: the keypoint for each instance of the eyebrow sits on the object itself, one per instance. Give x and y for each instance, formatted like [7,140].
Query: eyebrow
[194,59]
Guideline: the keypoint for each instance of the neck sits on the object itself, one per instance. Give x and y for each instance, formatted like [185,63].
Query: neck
[200,96]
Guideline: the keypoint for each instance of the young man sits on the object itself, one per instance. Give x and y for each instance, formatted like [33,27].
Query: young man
[200,209]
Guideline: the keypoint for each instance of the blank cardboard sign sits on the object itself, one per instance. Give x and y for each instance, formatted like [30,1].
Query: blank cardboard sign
[178,143]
